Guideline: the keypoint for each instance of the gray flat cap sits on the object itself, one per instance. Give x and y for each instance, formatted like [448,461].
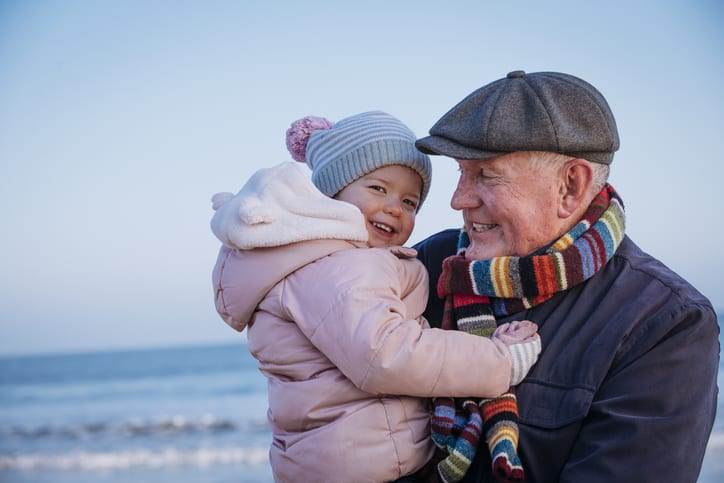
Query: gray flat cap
[542,111]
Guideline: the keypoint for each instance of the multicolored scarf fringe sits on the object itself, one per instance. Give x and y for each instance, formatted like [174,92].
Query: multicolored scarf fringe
[477,292]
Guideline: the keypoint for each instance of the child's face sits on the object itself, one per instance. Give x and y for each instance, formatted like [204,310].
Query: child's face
[388,198]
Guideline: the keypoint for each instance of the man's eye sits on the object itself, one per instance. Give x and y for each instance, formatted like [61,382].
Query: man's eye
[488,176]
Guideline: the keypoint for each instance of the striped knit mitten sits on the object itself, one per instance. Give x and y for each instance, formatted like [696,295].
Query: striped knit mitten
[500,425]
[523,355]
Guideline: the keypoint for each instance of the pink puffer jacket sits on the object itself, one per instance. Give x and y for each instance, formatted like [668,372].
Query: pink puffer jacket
[338,333]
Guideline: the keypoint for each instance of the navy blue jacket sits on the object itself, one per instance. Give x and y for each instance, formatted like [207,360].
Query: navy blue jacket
[626,386]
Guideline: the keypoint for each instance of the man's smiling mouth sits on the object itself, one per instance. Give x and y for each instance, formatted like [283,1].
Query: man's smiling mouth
[482,228]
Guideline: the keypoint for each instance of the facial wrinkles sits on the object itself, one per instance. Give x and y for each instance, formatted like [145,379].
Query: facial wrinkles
[535,215]
[491,185]
[497,192]
[503,209]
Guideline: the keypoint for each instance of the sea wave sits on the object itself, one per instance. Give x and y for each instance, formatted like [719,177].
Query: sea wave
[173,425]
[131,459]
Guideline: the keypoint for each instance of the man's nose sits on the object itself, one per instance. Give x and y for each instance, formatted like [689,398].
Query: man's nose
[464,195]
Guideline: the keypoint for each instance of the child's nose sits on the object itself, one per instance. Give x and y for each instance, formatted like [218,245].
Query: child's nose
[392,206]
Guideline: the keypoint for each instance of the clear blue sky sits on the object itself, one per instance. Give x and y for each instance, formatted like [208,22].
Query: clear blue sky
[119,120]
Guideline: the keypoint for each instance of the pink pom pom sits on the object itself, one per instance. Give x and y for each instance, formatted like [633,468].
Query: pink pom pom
[298,135]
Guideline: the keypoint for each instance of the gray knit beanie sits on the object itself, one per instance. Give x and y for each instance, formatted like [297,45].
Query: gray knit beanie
[342,152]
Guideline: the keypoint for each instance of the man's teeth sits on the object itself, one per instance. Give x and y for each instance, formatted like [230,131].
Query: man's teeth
[480,227]
[386,228]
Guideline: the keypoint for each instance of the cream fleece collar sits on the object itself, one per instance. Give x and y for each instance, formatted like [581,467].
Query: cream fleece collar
[280,205]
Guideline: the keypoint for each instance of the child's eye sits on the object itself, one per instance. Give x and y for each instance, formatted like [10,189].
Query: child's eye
[410,202]
[377,187]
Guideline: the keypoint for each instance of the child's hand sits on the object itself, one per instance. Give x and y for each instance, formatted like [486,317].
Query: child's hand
[516,332]
[402,252]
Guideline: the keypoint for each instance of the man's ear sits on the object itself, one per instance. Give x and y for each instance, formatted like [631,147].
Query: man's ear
[576,180]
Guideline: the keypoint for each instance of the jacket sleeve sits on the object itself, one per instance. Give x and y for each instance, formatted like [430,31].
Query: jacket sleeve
[356,318]
[661,399]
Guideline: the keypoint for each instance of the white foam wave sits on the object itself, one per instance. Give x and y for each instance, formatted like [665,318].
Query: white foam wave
[119,460]
[135,427]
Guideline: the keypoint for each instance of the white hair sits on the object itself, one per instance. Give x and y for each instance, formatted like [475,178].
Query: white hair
[541,159]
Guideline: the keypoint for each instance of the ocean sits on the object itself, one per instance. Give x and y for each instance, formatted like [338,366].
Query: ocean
[186,414]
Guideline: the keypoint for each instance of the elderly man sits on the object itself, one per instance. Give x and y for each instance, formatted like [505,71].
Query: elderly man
[626,386]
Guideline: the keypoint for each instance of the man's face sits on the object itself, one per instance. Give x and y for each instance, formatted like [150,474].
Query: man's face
[509,208]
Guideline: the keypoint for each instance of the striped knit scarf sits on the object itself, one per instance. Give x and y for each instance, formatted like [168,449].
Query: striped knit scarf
[477,292]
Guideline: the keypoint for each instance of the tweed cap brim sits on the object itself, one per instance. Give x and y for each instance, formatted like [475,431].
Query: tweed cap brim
[438,145]
[446,147]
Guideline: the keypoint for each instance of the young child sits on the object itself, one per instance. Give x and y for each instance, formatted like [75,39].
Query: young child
[315,271]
